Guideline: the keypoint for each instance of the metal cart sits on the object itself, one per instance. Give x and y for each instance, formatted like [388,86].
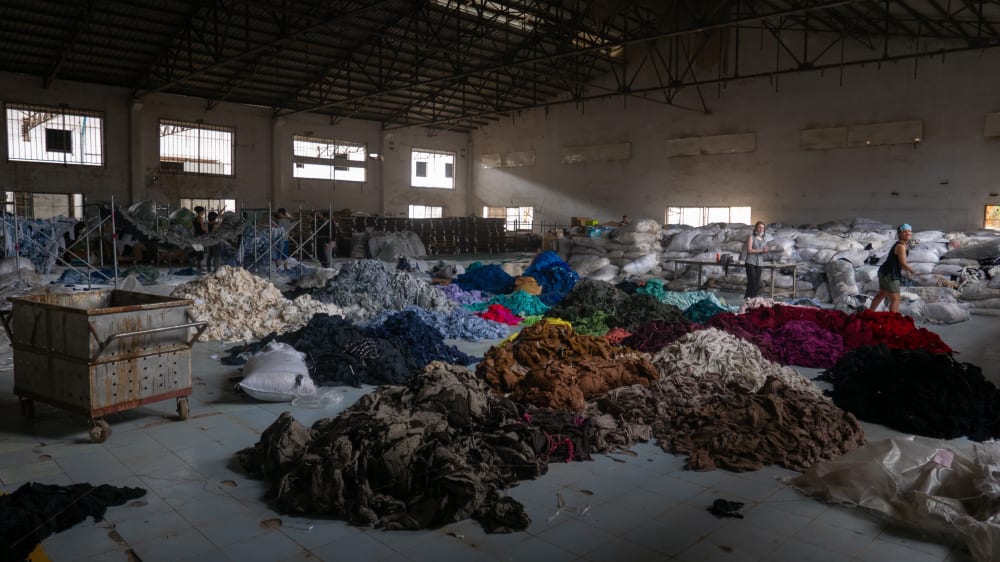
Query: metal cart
[99,352]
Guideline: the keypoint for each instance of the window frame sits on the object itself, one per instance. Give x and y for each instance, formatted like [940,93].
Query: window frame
[708,214]
[430,159]
[199,159]
[27,202]
[434,215]
[335,165]
[61,112]
[512,217]
[210,204]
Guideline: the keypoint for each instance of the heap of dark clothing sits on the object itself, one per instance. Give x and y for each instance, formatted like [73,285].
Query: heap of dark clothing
[339,352]
[35,511]
[420,455]
[915,391]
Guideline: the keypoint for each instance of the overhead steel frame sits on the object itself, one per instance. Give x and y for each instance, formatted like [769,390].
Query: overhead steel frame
[442,65]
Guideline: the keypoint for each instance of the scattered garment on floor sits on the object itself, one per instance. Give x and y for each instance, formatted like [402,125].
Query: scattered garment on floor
[639,309]
[726,509]
[918,392]
[702,310]
[35,511]
[549,365]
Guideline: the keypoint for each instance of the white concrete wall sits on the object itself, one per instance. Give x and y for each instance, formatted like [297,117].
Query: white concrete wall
[107,180]
[263,155]
[397,192]
[942,182]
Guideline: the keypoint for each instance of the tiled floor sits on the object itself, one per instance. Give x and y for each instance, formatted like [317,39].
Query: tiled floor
[200,506]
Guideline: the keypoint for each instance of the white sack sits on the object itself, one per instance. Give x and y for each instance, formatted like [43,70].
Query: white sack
[926,484]
[585,265]
[277,374]
[946,312]
[606,273]
[840,275]
[641,265]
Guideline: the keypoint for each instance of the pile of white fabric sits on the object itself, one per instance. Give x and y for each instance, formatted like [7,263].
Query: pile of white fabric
[240,306]
[632,249]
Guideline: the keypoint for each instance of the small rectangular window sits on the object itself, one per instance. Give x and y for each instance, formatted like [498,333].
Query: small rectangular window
[432,168]
[425,212]
[515,218]
[992,217]
[327,159]
[701,216]
[43,205]
[58,140]
[38,133]
[196,148]
[218,205]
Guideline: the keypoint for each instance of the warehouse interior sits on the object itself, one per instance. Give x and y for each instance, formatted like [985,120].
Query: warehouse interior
[556,120]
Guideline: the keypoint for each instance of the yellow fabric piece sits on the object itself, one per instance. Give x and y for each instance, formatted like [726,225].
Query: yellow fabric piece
[528,285]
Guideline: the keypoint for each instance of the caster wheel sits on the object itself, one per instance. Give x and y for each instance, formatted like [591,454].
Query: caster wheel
[100,432]
[183,411]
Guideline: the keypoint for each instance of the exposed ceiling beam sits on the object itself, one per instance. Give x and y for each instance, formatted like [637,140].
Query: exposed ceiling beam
[576,52]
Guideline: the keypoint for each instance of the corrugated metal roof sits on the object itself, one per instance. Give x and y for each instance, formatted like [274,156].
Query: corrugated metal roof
[454,64]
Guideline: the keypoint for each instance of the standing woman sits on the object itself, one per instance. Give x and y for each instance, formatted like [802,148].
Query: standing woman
[890,273]
[754,248]
[199,230]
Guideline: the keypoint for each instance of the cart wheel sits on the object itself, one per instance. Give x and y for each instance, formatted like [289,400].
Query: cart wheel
[182,408]
[100,432]
[27,408]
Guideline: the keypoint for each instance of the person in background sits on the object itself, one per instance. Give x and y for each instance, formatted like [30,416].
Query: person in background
[755,247]
[214,251]
[890,273]
[199,230]
[625,220]
[283,221]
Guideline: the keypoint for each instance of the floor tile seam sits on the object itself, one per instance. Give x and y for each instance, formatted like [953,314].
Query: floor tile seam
[775,546]
[945,541]
[860,545]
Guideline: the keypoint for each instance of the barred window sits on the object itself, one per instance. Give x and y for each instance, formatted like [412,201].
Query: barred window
[701,216]
[432,168]
[515,218]
[218,205]
[55,134]
[327,159]
[196,148]
[425,212]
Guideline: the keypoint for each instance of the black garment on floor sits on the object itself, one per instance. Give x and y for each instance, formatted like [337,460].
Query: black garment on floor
[724,508]
[35,511]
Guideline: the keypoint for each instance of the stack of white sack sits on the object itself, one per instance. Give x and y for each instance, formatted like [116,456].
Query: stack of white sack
[610,253]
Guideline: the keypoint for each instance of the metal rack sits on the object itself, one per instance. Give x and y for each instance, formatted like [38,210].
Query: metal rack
[87,269]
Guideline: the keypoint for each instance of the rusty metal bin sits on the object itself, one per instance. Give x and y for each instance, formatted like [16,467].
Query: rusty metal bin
[99,352]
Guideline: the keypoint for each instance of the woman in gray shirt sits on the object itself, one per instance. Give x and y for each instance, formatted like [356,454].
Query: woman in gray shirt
[754,247]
